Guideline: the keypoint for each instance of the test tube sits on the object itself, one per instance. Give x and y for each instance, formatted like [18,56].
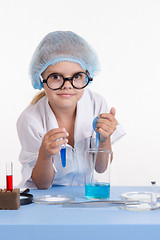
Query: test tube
[9,176]
[63,155]
[154,194]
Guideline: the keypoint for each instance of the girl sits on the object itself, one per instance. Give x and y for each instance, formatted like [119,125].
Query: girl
[63,65]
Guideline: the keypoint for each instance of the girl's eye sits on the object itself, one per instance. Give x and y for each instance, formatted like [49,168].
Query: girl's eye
[55,77]
[77,76]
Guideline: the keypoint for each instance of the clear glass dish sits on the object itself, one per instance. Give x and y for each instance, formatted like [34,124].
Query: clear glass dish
[53,199]
[145,199]
[144,206]
[138,196]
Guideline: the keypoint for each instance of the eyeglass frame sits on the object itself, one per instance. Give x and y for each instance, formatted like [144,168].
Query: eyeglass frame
[70,79]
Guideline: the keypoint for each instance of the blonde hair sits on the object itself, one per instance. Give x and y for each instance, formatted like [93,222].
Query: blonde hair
[38,97]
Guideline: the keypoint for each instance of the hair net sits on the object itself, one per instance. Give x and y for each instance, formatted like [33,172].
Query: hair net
[62,46]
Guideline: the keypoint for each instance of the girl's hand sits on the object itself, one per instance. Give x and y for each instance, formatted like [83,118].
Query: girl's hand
[106,124]
[51,143]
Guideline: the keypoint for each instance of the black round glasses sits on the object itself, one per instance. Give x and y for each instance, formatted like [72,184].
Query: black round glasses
[56,81]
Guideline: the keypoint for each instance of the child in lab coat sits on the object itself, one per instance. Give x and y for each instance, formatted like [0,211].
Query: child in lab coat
[63,64]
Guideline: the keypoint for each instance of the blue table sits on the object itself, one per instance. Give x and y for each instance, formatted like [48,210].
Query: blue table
[38,222]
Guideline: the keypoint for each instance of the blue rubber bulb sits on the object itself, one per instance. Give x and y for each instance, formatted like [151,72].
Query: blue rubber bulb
[94,124]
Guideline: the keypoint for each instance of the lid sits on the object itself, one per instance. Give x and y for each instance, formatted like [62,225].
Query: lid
[138,196]
[53,199]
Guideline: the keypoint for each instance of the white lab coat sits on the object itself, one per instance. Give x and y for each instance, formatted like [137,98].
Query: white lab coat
[36,120]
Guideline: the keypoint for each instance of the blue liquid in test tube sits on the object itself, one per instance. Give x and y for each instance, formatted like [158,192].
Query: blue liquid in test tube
[63,156]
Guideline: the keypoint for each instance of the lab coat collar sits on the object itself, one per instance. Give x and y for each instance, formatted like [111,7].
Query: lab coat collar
[83,121]
[84,117]
[51,121]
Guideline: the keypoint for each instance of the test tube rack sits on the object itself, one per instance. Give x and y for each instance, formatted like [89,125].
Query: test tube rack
[10,200]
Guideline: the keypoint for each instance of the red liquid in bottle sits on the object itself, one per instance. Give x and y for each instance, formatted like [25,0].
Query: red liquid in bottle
[9,183]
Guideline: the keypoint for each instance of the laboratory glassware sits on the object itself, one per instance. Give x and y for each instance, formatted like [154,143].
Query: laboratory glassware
[53,199]
[97,180]
[148,200]
[9,176]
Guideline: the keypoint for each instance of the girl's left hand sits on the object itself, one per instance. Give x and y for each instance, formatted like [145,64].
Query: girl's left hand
[106,124]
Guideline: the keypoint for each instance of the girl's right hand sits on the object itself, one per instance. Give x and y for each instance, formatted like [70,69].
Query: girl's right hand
[51,143]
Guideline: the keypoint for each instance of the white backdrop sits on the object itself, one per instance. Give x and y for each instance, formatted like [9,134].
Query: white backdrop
[126,36]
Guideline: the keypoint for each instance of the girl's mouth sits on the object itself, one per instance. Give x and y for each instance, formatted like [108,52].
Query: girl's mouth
[65,95]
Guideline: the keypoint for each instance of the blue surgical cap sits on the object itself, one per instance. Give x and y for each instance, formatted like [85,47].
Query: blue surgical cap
[60,46]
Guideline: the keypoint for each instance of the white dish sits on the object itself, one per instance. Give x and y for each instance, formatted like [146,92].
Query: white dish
[138,196]
[53,199]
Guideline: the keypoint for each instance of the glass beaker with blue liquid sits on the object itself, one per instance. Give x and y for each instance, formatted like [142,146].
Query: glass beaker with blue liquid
[97,185]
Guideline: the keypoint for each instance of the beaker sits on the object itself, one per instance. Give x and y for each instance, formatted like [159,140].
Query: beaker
[97,182]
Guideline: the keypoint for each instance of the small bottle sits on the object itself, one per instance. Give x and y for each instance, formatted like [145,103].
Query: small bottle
[154,194]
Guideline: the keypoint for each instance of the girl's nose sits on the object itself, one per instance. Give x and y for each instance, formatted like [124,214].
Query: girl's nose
[67,85]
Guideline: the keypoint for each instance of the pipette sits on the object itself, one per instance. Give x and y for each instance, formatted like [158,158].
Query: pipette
[9,176]
[94,124]
[97,133]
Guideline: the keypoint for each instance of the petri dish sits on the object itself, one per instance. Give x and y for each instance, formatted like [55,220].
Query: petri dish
[144,206]
[53,199]
[138,196]
[143,197]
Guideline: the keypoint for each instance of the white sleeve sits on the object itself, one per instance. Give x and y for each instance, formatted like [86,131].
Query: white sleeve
[118,133]
[30,134]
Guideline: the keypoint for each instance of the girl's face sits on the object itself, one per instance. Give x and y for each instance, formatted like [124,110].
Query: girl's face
[67,96]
